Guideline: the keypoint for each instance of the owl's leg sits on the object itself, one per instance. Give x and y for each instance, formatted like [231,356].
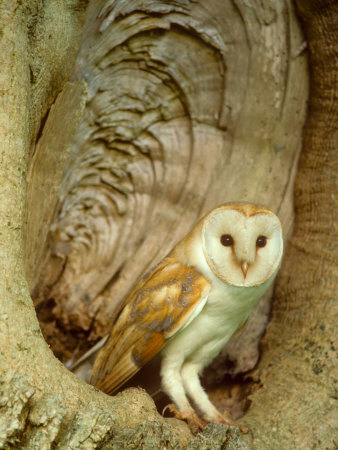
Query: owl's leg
[190,375]
[192,386]
[172,385]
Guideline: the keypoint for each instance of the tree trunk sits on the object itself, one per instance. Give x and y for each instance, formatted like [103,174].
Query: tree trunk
[297,375]
[164,82]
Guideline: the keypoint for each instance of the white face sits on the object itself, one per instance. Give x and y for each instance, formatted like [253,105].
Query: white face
[241,250]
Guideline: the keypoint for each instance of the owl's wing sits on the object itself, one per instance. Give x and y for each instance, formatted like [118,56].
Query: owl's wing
[160,305]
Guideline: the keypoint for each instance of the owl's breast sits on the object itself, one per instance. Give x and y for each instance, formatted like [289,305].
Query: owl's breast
[228,307]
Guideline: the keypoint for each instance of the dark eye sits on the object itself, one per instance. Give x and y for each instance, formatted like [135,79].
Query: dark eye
[227,240]
[261,241]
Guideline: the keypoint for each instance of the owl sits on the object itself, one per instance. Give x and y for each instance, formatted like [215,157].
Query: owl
[188,307]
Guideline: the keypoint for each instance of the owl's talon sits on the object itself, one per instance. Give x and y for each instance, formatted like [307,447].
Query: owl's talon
[194,422]
[243,428]
[229,422]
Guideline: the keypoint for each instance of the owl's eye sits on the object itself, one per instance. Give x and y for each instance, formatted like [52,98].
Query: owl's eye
[261,241]
[227,240]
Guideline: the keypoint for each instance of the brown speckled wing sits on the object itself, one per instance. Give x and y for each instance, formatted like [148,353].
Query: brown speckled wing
[161,304]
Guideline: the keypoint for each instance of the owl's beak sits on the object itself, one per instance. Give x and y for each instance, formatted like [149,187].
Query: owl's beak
[244,267]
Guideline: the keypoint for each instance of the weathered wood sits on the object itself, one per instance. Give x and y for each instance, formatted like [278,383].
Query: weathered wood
[190,104]
[45,173]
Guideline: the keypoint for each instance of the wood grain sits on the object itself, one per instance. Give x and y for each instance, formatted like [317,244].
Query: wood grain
[190,105]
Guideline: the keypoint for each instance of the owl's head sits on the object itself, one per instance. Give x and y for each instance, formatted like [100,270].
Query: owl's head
[242,243]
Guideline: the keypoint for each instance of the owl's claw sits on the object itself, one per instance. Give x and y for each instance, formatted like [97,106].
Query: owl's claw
[194,422]
[227,421]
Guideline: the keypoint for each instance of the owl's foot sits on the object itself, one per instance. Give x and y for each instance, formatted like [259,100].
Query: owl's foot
[194,422]
[225,419]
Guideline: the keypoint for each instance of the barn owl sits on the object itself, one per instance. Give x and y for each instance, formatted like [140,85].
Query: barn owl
[188,307]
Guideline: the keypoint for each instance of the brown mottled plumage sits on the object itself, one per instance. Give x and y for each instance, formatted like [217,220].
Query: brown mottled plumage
[157,308]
